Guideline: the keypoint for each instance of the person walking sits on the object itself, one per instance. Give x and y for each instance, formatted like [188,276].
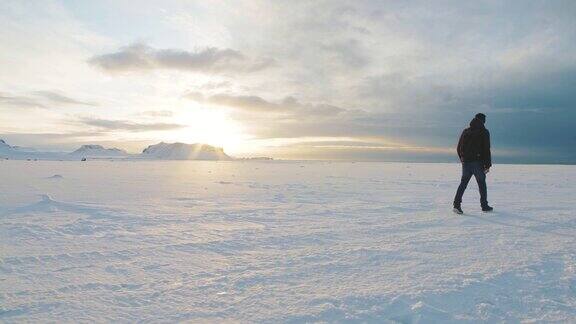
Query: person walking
[474,153]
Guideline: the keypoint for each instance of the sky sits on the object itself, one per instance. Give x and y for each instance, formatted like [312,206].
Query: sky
[343,80]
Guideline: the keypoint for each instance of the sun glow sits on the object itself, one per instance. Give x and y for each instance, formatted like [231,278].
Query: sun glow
[212,127]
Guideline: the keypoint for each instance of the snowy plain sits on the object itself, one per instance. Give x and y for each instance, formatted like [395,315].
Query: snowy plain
[232,241]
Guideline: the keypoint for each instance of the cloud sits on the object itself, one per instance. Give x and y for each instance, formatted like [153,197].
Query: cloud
[46,138]
[58,98]
[367,144]
[416,73]
[290,118]
[19,102]
[256,104]
[412,72]
[348,52]
[141,57]
[157,113]
[40,99]
[372,149]
[216,85]
[129,126]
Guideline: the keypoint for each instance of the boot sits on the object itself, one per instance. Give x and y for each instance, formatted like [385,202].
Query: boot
[458,209]
[487,208]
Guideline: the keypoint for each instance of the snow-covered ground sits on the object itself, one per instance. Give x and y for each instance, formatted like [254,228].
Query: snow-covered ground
[195,241]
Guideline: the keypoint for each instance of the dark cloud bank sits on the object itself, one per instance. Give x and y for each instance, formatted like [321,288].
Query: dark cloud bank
[417,72]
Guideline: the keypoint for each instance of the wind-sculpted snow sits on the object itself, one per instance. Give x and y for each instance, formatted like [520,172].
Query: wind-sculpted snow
[193,241]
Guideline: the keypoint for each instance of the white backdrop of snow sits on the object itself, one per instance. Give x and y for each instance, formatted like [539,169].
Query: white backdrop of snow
[275,242]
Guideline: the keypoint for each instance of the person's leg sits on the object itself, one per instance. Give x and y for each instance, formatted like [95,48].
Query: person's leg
[466,175]
[481,180]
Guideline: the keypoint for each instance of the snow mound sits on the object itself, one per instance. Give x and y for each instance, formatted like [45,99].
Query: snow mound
[98,151]
[183,151]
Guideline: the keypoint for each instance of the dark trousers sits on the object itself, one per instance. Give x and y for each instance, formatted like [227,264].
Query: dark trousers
[470,169]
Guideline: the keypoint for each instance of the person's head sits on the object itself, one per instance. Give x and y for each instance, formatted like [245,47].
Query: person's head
[481,117]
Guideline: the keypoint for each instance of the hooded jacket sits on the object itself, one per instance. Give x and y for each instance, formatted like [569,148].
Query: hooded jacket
[474,144]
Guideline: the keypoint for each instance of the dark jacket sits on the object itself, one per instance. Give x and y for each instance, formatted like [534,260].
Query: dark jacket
[474,144]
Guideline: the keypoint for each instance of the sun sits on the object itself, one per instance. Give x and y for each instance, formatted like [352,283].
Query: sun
[210,126]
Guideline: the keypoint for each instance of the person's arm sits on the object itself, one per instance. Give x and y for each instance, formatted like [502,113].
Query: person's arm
[486,151]
[459,147]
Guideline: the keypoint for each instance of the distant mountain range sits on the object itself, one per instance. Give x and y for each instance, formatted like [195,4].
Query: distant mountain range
[23,153]
[160,151]
[182,151]
[98,151]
